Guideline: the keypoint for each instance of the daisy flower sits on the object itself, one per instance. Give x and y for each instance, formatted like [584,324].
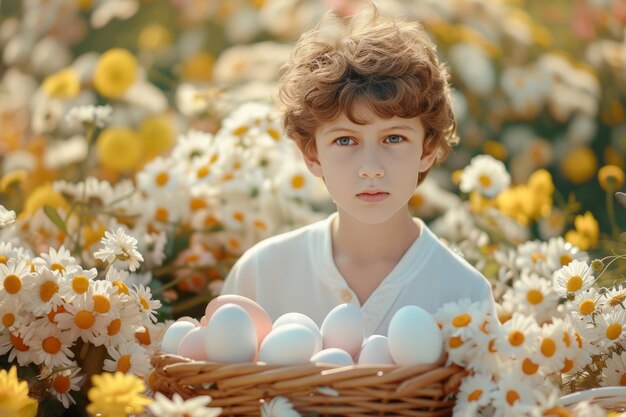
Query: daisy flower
[161,175]
[17,345]
[614,372]
[295,181]
[560,253]
[57,260]
[50,345]
[147,306]
[534,295]
[203,172]
[552,349]
[104,296]
[519,336]
[9,312]
[153,247]
[89,115]
[176,407]
[614,298]
[613,327]
[118,278]
[486,175]
[129,357]
[76,283]
[7,217]
[515,393]
[8,251]
[278,407]
[63,381]
[194,144]
[574,277]
[81,320]
[161,211]
[14,276]
[117,394]
[120,326]
[461,318]
[476,391]
[532,257]
[42,291]
[120,246]
[585,304]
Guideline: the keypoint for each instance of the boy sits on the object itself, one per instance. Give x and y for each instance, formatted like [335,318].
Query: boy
[368,105]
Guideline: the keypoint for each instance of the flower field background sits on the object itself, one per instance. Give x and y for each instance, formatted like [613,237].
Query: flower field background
[140,156]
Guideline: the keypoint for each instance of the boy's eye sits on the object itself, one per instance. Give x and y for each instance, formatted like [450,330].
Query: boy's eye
[343,141]
[395,139]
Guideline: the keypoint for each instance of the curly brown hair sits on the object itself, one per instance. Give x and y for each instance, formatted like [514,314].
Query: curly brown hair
[392,63]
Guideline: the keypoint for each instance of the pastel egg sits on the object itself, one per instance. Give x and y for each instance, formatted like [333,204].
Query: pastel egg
[289,344]
[230,335]
[414,337]
[333,356]
[375,350]
[299,318]
[260,318]
[344,328]
[174,334]
[192,345]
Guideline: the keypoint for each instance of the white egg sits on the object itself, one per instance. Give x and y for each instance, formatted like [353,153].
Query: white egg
[414,337]
[192,345]
[375,350]
[230,335]
[303,319]
[289,344]
[344,328]
[174,334]
[334,356]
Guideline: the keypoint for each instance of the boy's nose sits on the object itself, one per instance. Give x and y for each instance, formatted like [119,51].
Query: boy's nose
[371,172]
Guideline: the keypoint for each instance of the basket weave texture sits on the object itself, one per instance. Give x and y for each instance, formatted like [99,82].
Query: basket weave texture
[327,390]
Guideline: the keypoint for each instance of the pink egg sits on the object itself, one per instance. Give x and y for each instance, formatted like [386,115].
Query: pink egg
[204,321]
[260,319]
[192,345]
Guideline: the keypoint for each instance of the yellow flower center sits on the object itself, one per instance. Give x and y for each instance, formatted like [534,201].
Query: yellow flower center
[101,304]
[536,257]
[62,84]
[260,224]
[80,284]
[484,181]
[51,345]
[534,297]
[119,148]
[115,72]
[203,171]
[568,365]
[462,320]
[122,288]
[586,306]
[143,337]
[614,331]
[273,134]
[617,299]
[455,342]
[114,327]
[558,412]
[58,267]
[565,260]
[12,284]
[123,364]
[297,182]
[8,319]
[574,283]
[144,303]
[579,339]
[622,380]
[529,367]
[566,339]
[239,216]
[18,343]
[197,204]
[3,259]
[61,384]
[84,319]
[240,130]
[162,179]
[516,338]
[512,397]
[47,290]
[475,395]
[548,347]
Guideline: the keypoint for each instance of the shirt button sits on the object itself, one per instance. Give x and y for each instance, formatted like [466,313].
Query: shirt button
[346,295]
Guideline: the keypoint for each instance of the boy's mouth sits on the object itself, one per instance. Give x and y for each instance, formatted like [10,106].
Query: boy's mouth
[372,196]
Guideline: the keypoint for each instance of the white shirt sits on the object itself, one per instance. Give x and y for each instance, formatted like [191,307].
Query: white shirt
[296,272]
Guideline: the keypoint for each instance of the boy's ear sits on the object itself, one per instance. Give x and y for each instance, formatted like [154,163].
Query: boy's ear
[427,160]
[312,163]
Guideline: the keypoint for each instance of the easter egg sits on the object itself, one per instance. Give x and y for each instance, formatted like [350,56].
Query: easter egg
[289,344]
[230,335]
[260,319]
[414,337]
[192,345]
[344,328]
[299,318]
[375,350]
[174,334]
[334,356]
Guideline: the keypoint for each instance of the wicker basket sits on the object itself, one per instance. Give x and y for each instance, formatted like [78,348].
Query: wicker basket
[359,390]
[609,398]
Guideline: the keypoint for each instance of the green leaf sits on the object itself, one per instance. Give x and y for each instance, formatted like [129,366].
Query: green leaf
[54,217]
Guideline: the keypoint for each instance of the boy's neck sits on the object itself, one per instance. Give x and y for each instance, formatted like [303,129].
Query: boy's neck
[363,243]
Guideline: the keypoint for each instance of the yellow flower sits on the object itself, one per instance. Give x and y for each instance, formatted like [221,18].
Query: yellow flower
[198,67]
[14,177]
[115,72]
[495,149]
[540,182]
[579,165]
[117,395]
[611,178]
[43,195]
[153,37]
[62,84]
[585,236]
[156,134]
[510,202]
[14,399]
[119,148]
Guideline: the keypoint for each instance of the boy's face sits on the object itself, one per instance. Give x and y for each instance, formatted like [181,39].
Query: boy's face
[370,170]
